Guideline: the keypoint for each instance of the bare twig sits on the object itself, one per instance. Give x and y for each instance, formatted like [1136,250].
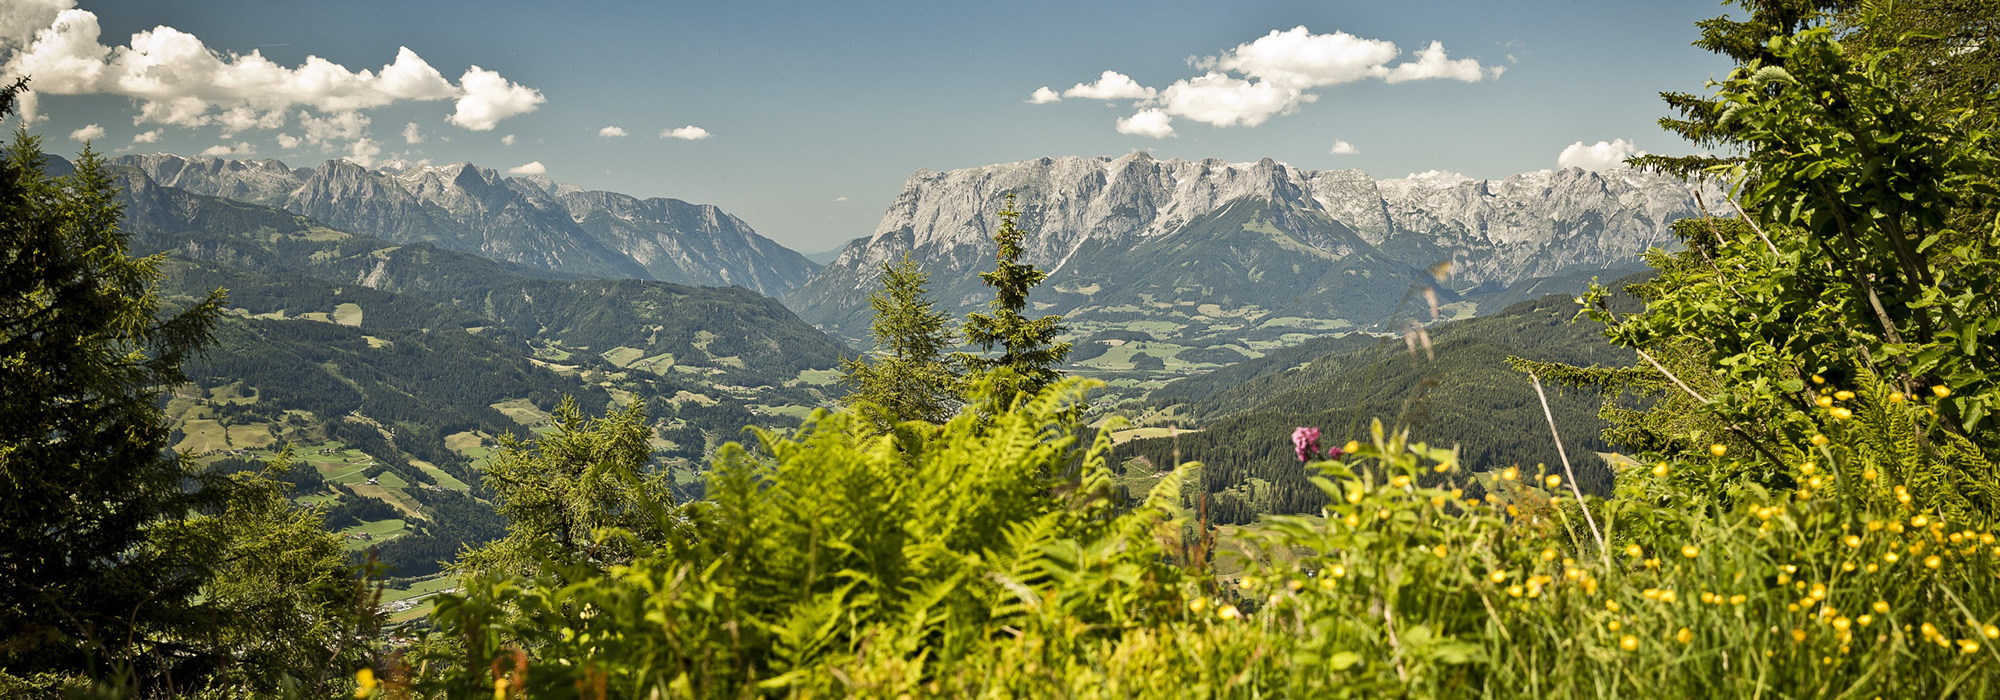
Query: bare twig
[1570,473]
[1753,224]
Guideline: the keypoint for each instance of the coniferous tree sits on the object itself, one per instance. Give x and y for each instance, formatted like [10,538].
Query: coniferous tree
[1698,117]
[82,439]
[911,377]
[1029,349]
[125,566]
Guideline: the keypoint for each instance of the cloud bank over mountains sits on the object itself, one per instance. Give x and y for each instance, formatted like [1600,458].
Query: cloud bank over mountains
[1599,156]
[176,80]
[1269,77]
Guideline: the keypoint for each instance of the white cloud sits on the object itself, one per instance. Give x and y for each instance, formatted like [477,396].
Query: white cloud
[1112,85]
[224,151]
[1446,176]
[507,140]
[840,199]
[611,132]
[1273,75]
[147,136]
[1299,59]
[1598,156]
[243,118]
[363,151]
[1432,63]
[486,99]
[413,134]
[1343,148]
[534,167]
[1223,100]
[89,132]
[343,126]
[285,141]
[1148,122]
[686,133]
[176,79]
[25,17]
[1043,95]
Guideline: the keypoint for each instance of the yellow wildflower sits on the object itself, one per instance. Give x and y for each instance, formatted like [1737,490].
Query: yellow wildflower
[1718,449]
[1629,643]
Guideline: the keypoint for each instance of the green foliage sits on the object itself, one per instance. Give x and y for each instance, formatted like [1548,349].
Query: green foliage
[910,378]
[1029,349]
[832,551]
[566,492]
[82,443]
[1466,396]
[126,569]
[846,561]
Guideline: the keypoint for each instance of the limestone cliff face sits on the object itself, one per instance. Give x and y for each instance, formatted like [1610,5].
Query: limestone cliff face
[1083,211]
[527,220]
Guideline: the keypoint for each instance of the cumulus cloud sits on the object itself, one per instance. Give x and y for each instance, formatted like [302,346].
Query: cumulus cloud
[241,148]
[342,126]
[89,132]
[175,79]
[1151,123]
[1299,59]
[686,133]
[1432,63]
[147,136]
[1343,148]
[1219,99]
[507,140]
[840,199]
[1598,156]
[285,141]
[243,118]
[611,132]
[1112,85]
[1273,75]
[413,134]
[363,151]
[486,99]
[533,167]
[1043,95]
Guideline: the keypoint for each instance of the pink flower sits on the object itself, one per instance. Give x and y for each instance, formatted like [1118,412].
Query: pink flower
[1335,453]
[1306,442]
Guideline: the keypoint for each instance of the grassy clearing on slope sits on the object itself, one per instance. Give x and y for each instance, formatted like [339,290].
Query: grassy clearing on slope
[348,314]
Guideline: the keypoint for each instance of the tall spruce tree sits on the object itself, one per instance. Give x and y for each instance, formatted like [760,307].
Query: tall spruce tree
[124,566]
[1698,118]
[1028,347]
[910,377]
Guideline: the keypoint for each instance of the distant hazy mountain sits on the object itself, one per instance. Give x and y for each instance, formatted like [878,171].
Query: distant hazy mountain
[1213,246]
[826,256]
[531,221]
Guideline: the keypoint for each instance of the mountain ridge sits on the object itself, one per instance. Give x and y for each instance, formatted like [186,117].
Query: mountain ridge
[1082,212]
[528,220]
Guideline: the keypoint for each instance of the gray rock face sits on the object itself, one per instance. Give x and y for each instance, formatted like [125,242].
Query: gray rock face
[531,220]
[1494,232]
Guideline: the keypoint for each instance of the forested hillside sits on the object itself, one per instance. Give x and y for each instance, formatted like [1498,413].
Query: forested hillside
[395,370]
[1466,395]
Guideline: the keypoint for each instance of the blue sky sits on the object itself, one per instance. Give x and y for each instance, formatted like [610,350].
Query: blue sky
[815,113]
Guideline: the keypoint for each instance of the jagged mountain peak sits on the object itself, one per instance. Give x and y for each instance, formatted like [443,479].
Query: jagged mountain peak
[1495,232]
[469,208]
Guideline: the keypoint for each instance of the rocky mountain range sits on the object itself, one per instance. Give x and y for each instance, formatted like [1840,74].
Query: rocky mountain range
[1213,246]
[528,220]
